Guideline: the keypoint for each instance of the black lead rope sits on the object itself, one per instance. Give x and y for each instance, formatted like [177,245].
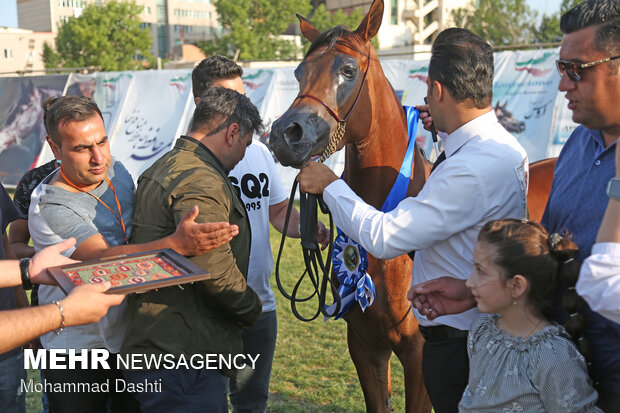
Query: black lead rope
[313,259]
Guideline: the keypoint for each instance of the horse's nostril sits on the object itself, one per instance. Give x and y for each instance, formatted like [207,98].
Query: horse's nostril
[293,133]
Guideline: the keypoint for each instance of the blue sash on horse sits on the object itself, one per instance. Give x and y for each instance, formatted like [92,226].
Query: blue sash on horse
[350,260]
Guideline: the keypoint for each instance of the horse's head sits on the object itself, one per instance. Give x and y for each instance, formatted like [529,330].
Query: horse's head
[333,84]
[507,120]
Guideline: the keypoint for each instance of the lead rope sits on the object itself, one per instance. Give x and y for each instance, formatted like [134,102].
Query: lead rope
[313,259]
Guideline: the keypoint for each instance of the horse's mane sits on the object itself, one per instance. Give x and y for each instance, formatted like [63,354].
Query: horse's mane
[328,38]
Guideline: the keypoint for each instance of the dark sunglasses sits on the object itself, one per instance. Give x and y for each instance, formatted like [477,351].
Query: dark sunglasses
[575,70]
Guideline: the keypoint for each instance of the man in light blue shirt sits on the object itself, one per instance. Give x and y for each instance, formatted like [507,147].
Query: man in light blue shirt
[590,68]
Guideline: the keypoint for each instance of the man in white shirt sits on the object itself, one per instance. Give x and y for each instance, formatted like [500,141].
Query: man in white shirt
[482,178]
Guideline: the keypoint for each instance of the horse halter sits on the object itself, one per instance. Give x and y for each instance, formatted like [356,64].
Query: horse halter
[317,269]
[336,137]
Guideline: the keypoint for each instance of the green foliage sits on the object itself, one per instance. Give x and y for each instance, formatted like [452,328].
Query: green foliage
[322,20]
[549,28]
[108,36]
[254,27]
[50,57]
[500,22]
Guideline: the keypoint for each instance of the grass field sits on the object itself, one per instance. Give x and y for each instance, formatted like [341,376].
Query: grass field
[312,370]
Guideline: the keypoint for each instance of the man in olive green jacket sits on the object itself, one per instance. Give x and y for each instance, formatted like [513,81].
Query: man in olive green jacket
[204,317]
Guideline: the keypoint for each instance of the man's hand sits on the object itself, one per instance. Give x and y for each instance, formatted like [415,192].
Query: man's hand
[88,303]
[314,177]
[323,236]
[192,238]
[49,257]
[425,116]
[441,296]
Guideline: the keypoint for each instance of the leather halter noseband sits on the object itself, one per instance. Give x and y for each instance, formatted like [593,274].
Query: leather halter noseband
[335,138]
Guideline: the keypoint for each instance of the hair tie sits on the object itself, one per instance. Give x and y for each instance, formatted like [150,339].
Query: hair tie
[573,315]
[568,260]
[572,288]
[554,240]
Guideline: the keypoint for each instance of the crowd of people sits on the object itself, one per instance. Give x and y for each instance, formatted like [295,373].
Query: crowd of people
[516,315]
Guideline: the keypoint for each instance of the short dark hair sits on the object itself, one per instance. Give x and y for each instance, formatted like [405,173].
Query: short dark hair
[602,13]
[212,69]
[60,110]
[220,107]
[463,63]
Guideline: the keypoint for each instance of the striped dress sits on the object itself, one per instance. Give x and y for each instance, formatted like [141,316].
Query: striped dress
[541,373]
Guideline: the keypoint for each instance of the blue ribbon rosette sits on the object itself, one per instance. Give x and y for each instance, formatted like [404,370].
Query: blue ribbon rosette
[350,263]
[350,260]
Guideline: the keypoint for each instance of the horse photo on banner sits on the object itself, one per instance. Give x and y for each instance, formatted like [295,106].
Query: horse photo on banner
[22,131]
[151,118]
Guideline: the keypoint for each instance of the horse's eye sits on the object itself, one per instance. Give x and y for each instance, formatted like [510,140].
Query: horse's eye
[348,71]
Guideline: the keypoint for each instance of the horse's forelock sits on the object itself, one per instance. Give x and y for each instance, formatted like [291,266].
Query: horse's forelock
[328,38]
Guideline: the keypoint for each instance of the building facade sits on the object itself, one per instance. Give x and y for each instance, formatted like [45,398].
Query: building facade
[21,50]
[170,22]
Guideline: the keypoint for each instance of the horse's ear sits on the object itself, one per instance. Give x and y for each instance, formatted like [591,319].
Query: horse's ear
[307,29]
[370,24]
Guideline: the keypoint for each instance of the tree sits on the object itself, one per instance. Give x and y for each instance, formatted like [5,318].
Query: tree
[549,28]
[500,22]
[323,20]
[108,36]
[254,27]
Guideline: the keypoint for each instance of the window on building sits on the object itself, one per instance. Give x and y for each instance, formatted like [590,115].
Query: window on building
[394,12]
[8,54]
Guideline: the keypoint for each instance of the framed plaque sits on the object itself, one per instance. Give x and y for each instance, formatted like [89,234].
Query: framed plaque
[130,273]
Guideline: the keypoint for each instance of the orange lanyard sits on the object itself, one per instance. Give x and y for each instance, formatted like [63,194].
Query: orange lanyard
[118,217]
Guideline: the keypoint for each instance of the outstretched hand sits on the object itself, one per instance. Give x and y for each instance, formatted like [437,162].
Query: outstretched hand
[441,296]
[49,257]
[88,303]
[192,238]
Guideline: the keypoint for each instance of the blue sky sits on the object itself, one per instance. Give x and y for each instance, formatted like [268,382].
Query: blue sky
[8,9]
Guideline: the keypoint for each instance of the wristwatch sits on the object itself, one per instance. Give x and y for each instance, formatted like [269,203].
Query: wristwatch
[24,266]
[613,188]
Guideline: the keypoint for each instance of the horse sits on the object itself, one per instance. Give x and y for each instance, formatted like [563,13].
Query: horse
[507,120]
[341,68]
[541,175]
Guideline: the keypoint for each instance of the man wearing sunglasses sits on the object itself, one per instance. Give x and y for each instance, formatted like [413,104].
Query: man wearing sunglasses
[590,68]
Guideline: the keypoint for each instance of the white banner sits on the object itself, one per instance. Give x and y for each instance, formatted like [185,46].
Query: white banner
[146,111]
[152,117]
[524,97]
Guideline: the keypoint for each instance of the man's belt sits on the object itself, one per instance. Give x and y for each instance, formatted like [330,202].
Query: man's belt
[439,333]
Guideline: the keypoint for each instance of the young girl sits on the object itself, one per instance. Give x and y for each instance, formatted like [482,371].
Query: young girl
[519,361]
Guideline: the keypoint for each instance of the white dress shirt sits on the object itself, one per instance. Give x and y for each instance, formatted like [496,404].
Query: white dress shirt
[483,178]
[599,280]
